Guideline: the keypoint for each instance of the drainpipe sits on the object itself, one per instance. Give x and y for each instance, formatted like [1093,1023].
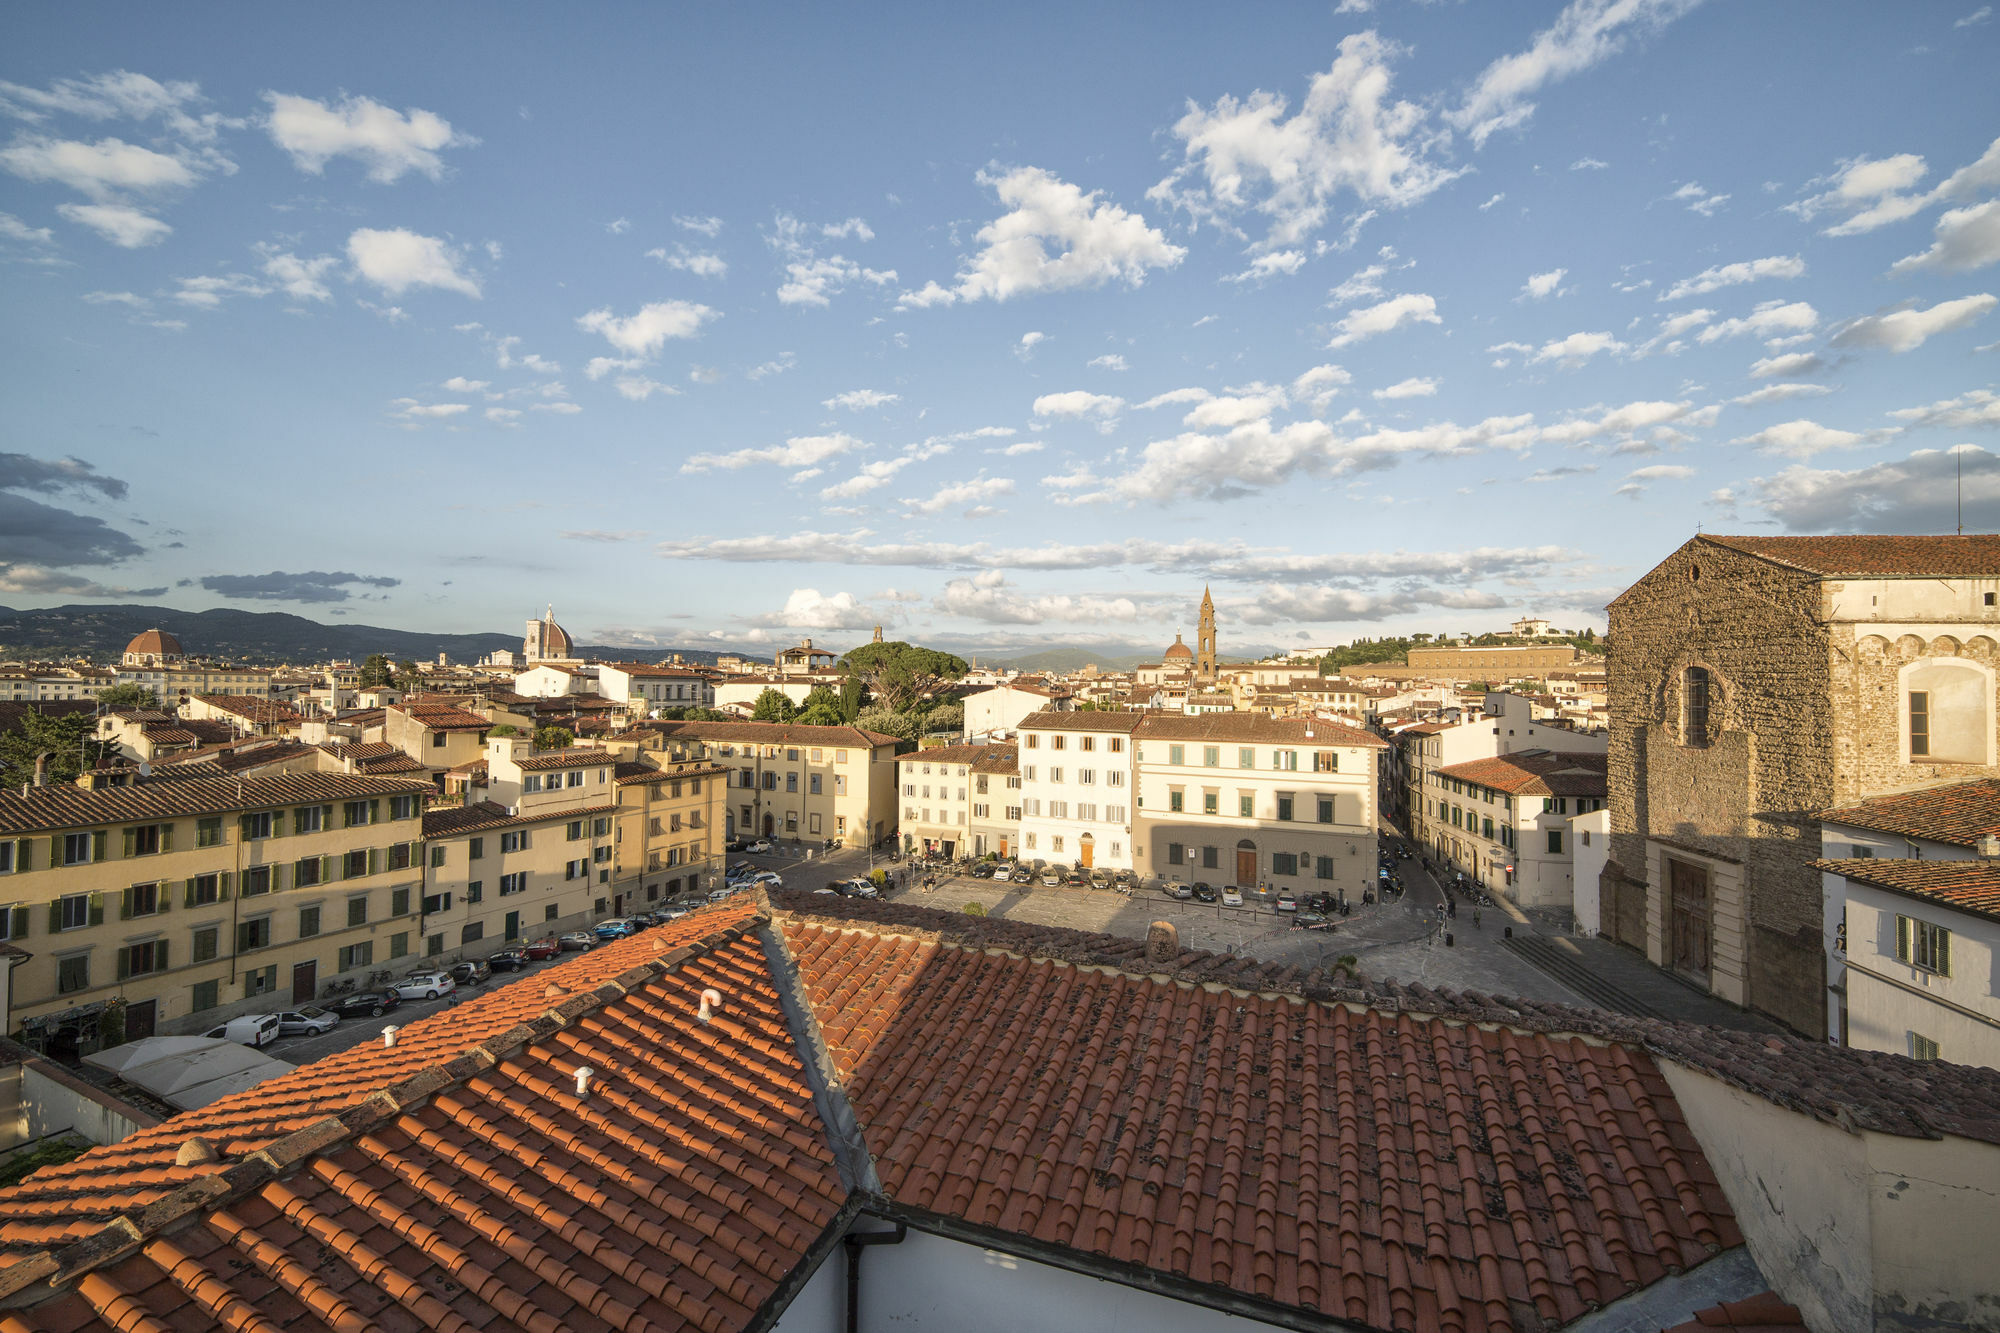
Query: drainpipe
[856,1241]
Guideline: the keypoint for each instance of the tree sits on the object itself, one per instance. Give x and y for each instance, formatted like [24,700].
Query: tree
[407,677]
[376,671]
[505,729]
[889,722]
[850,699]
[127,696]
[554,738]
[66,738]
[773,705]
[899,673]
[945,717]
[819,715]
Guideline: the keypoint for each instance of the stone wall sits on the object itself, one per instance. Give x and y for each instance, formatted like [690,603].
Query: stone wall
[1870,735]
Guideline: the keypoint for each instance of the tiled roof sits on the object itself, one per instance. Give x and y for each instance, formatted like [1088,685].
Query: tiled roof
[1960,813]
[189,731]
[237,756]
[263,712]
[575,757]
[450,821]
[442,717]
[1767,1313]
[372,750]
[1001,759]
[1083,719]
[1969,886]
[627,773]
[1356,1162]
[944,754]
[44,808]
[774,733]
[1540,773]
[1975,556]
[456,1181]
[1254,727]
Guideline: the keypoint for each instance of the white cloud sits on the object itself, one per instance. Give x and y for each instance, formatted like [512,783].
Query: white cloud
[1875,192]
[107,97]
[1409,308]
[504,416]
[976,491]
[1778,393]
[1053,237]
[1786,366]
[1362,285]
[1109,361]
[1228,412]
[778,365]
[618,226]
[1269,265]
[1409,388]
[642,335]
[798,451]
[1906,330]
[870,477]
[398,260]
[816,281]
[460,384]
[1621,423]
[990,598]
[1029,341]
[1023,447]
[1662,472]
[1588,164]
[1493,201]
[120,224]
[700,263]
[709,227]
[560,409]
[1975,18]
[1587,32]
[412,409]
[1171,396]
[96,170]
[301,279]
[1769,319]
[1699,200]
[856,399]
[1979,407]
[1354,7]
[1577,348]
[639,388]
[13,229]
[1539,286]
[1801,439]
[1079,403]
[1919,493]
[806,608]
[1731,275]
[1245,155]
[208,293]
[853,227]
[1967,238]
[388,142]
[1318,386]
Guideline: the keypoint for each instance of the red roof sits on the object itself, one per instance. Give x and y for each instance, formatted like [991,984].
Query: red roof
[1957,812]
[1534,773]
[1969,886]
[1767,1313]
[1976,555]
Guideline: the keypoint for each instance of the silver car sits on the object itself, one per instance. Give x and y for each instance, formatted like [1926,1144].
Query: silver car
[424,986]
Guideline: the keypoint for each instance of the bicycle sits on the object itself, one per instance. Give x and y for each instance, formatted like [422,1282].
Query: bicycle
[333,988]
[380,977]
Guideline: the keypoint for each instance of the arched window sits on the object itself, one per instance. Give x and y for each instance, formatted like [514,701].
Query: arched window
[1699,700]
[1947,713]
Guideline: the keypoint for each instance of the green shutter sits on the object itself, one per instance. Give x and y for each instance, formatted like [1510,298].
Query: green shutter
[278,823]
[19,929]
[166,837]
[374,810]
[223,883]
[326,870]
[55,916]
[243,825]
[187,892]
[278,878]
[130,835]
[124,964]
[1903,939]
[55,850]
[96,909]
[374,860]
[125,906]
[98,838]
[160,954]
[24,854]
[1944,953]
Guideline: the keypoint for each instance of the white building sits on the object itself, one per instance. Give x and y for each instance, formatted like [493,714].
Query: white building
[1505,822]
[733,692]
[1004,706]
[549,681]
[935,787]
[647,689]
[1076,788]
[1260,802]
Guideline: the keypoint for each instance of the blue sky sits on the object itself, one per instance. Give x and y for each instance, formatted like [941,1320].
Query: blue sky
[1003,328]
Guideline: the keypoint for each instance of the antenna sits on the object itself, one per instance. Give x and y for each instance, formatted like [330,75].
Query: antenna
[1960,455]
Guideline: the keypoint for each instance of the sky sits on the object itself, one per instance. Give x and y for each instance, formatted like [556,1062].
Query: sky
[1003,327]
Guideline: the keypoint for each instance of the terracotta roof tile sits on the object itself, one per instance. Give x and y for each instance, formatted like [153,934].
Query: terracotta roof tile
[1088,719]
[1969,886]
[481,815]
[1957,812]
[575,757]
[1254,727]
[441,717]
[1767,1313]
[773,733]
[69,807]
[1976,555]
[1533,773]
[251,708]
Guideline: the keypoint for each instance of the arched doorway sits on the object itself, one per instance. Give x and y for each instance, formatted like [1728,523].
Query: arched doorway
[769,824]
[1087,846]
[1246,864]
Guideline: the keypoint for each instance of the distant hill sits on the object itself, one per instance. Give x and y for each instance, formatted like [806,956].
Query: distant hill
[100,634]
[1068,659]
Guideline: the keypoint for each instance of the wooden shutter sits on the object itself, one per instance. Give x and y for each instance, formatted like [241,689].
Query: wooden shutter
[160,956]
[55,916]
[374,810]
[278,878]
[166,837]
[1903,939]
[24,854]
[131,834]
[125,906]
[187,892]
[374,860]
[96,909]
[55,850]
[278,823]
[1944,953]
[223,883]
[19,926]
[243,822]
[326,870]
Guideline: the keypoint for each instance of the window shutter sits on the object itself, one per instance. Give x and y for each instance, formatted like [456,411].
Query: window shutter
[278,878]
[374,860]
[325,869]
[24,854]
[278,823]
[187,892]
[55,916]
[1903,938]
[19,925]
[160,956]
[243,822]
[96,909]
[166,837]
[163,898]
[130,835]
[124,964]
[125,905]
[1944,953]
[223,883]
[55,851]
[374,810]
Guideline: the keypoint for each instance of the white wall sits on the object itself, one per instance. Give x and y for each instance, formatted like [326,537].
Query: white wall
[1881,1014]
[1591,835]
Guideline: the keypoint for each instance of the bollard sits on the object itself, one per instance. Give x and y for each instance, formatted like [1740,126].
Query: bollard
[1447,939]
[1509,934]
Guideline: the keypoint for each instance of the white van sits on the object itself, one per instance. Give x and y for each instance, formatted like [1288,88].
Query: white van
[250,1030]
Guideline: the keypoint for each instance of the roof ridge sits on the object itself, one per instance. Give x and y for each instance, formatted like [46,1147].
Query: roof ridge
[61,1265]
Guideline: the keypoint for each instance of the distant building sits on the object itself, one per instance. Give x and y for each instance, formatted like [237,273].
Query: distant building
[155,647]
[1491,663]
[547,641]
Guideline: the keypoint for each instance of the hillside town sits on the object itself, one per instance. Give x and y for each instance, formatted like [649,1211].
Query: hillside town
[224,843]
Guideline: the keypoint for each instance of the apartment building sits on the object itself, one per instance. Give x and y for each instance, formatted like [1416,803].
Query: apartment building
[247,714]
[936,786]
[496,873]
[1076,788]
[647,689]
[995,828]
[162,905]
[1754,682]
[436,735]
[669,825]
[788,780]
[1505,822]
[1002,707]
[1256,801]
[1504,724]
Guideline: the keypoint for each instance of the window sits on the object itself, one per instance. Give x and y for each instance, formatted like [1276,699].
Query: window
[308,922]
[357,955]
[578,869]
[1114,814]
[1486,826]
[357,813]
[1086,743]
[399,902]
[1056,774]
[1246,757]
[403,807]
[1284,808]
[1285,761]
[1284,863]
[1057,842]
[257,824]
[357,911]
[1113,778]
[207,995]
[812,784]
[253,934]
[1014,813]
[1057,742]
[72,911]
[1326,809]
[1176,854]
[437,856]
[574,830]
[472,933]
[1117,745]
[78,848]
[399,944]
[144,839]
[532,782]
[514,842]
[1923,946]
[260,982]
[1246,804]
[1176,755]
[306,872]
[1034,741]
[1555,842]
[143,959]
[550,912]
[1948,709]
[1211,756]
[475,891]
[1176,799]
[1323,867]
[437,742]
[399,856]
[207,944]
[1326,761]
[515,883]
[311,818]
[1698,692]
[356,864]
[73,973]
[476,850]
[1031,842]
[1210,858]
[1210,802]
[1058,809]
[1922,1047]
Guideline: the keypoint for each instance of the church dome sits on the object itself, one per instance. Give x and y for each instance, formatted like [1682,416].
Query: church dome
[555,640]
[153,644]
[1180,652]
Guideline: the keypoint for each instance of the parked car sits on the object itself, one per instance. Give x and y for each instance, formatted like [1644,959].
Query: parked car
[249,1030]
[770,877]
[510,959]
[1312,921]
[980,870]
[1232,896]
[1099,880]
[1023,875]
[424,986]
[367,1003]
[759,847]
[577,941]
[1052,879]
[735,844]
[471,972]
[727,890]
[1180,891]
[548,946]
[1286,902]
[307,1022]
[1124,878]
[617,928]
[863,888]
[674,911]
[1205,893]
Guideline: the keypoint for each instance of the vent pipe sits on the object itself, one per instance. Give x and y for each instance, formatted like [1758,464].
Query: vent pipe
[389,1035]
[584,1073]
[711,1000]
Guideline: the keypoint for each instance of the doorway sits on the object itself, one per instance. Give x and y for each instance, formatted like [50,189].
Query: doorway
[1688,919]
[513,925]
[305,982]
[1088,846]
[140,1019]
[1246,865]
[769,824]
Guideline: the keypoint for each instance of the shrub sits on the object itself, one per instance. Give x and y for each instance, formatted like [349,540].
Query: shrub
[975,909]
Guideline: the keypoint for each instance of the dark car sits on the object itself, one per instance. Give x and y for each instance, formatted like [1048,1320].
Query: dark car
[510,959]
[1206,893]
[981,870]
[471,972]
[545,947]
[1023,875]
[735,844]
[367,1003]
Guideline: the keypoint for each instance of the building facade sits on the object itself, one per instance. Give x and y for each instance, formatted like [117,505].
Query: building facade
[1504,823]
[996,801]
[936,786]
[1076,788]
[788,780]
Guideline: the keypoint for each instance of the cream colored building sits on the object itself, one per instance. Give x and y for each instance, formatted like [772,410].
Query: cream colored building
[995,829]
[1258,802]
[936,786]
[669,825]
[438,736]
[788,780]
[1076,788]
[647,689]
[1004,706]
[185,901]
[495,873]
[1504,822]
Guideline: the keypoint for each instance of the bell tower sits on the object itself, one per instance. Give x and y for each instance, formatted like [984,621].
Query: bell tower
[1204,639]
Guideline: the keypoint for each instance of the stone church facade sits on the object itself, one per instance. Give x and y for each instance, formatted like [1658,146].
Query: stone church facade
[1755,682]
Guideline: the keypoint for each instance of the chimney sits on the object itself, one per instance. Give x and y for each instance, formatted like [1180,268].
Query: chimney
[1163,943]
[1988,847]
[711,1000]
[584,1073]
[42,769]
[389,1035]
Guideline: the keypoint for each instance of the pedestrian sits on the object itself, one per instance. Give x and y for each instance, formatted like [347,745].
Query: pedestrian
[1451,909]
[1475,918]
